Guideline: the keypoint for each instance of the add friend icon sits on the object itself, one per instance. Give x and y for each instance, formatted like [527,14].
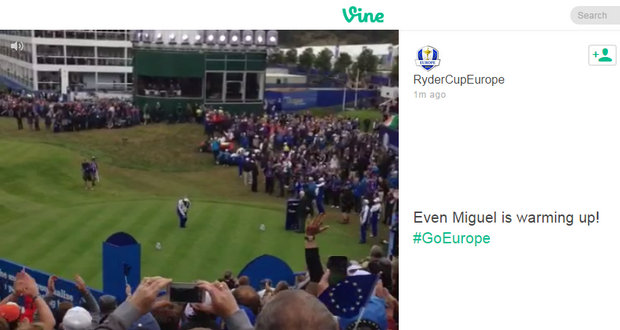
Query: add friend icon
[602,55]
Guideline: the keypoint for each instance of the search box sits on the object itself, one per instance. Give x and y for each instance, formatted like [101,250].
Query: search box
[596,15]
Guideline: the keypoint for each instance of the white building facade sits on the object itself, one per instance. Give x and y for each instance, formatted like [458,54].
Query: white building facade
[63,60]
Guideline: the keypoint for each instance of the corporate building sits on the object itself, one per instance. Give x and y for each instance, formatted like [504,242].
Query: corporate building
[66,60]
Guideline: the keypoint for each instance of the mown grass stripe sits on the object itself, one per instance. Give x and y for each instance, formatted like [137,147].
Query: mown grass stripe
[203,229]
[80,250]
[41,181]
[133,218]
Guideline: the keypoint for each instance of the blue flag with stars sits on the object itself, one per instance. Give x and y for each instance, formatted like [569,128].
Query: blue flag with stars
[350,295]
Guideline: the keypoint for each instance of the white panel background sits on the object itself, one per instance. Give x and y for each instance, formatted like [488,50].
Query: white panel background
[545,141]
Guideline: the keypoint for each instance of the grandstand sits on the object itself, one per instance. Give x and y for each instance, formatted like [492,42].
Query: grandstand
[218,68]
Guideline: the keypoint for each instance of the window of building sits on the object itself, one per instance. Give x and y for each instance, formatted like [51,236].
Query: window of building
[234,86]
[214,86]
[50,54]
[49,80]
[111,56]
[169,87]
[79,55]
[252,85]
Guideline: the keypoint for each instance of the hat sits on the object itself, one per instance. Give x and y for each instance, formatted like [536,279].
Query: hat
[377,200]
[77,318]
[365,201]
[356,270]
[10,312]
[107,304]
[321,179]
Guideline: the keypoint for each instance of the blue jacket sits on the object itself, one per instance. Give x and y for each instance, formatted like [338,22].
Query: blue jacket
[245,142]
[215,145]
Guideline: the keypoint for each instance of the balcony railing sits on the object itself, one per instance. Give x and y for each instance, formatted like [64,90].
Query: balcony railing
[83,60]
[121,35]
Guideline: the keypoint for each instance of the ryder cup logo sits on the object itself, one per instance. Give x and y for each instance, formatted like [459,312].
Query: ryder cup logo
[428,58]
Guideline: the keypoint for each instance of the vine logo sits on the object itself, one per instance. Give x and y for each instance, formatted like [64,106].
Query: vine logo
[356,12]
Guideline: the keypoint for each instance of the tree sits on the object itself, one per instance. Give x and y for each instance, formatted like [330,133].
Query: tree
[342,63]
[291,56]
[394,73]
[276,58]
[323,61]
[306,59]
[367,62]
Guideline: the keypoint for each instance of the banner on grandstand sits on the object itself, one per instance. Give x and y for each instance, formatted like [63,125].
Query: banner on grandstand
[296,99]
[65,289]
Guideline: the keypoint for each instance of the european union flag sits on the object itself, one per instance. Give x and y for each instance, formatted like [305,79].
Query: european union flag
[349,296]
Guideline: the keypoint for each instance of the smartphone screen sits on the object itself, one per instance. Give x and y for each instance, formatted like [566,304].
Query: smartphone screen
[337,266]
[186,293]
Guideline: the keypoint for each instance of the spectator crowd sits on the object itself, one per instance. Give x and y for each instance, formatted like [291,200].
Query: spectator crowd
[307,304]
[48,110]
[52,114]
[321,161]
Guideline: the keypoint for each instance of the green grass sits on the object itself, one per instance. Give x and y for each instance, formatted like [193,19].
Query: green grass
[50,222]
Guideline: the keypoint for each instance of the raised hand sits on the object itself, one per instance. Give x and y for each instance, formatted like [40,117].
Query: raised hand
[147,291]
[51,284]
[25,285]
[315,226]
[79,283]
[223,302]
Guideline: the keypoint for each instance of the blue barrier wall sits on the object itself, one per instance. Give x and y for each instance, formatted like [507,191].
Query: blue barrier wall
[65,289]
[312,98]
[292,101]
